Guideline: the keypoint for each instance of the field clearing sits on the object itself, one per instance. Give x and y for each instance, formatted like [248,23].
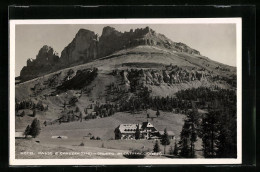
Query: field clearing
[104,127]
[77,133]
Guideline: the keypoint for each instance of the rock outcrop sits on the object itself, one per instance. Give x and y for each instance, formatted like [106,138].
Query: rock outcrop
[157,77]
[87,46]
[45,60]
[82,49]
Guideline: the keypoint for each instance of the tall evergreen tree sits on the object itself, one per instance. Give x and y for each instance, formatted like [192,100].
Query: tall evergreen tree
[34,113]
[137,132]
[184,141]
[209,134]
[35,128]
[175,151]
[189,134]
[27,130]
[171,150]
[158,113]
[193,120]
[227,138]
[22,114]
[80,116]
[156,147]
[165,139]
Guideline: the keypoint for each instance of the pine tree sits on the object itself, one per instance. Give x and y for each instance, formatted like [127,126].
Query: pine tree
[184,141]
[193,120]
[34,113]
[137,132]
[189,134]
[171,150]
[22,114]
[175,151]
[27,130]
[35,128]
[165,140]
[227,138]
[209,134]
[80,116]
[158,113]
[156,147]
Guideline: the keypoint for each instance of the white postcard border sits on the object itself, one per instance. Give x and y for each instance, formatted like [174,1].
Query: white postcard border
[13,161]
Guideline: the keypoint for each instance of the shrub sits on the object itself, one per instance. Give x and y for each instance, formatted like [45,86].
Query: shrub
[81,144]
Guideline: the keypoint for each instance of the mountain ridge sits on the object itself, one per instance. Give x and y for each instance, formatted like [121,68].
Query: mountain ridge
[88,46]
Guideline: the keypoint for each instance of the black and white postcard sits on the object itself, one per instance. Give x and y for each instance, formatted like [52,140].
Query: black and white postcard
[125,91]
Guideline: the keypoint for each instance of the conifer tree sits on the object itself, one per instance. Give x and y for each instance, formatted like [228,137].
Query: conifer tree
[171,150]
[35,128]
[158,113]
[184,141]
[34,113]
[227,137]
[80,116]
[165,139]
[22,114]
[156,147]
[27,131]
[148,116]
[193,120]
[209,134]
[175,151]
[137,132]
[189,134]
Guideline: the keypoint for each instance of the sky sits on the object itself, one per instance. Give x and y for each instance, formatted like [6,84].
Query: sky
[216,41]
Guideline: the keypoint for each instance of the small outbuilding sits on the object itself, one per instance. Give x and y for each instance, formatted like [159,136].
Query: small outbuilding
[20,135]
[59,137]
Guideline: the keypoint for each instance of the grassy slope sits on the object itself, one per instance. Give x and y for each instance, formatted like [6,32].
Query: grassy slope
[104,128]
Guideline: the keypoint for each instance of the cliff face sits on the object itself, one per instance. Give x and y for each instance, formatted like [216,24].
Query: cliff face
[87,46]
[143,36]
[45,60]
[82,49]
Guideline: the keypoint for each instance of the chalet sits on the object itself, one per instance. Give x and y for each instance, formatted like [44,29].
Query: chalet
[147,131]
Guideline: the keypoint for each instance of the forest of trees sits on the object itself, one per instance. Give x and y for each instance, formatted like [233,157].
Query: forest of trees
[202,97]
[29,104]
[218,132]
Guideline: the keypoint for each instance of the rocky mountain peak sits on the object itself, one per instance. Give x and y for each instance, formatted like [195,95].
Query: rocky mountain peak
[87,46]
[45,51]
[107,31]
[84,33]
